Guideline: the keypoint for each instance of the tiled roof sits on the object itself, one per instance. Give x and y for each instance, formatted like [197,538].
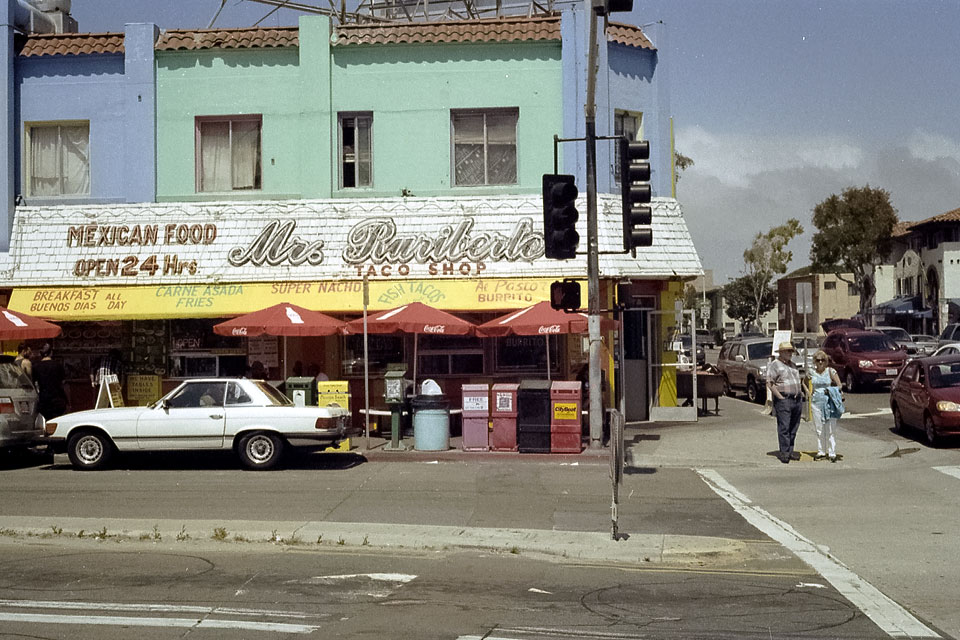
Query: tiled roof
[175,40]
[496,30]
[629,35]
[71,44]
[904,227]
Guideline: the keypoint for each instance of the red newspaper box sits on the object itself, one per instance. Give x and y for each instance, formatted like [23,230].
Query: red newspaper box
[504,413]
[476,417]
[565,417]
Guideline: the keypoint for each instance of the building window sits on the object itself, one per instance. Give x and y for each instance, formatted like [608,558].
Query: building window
[356,162]
[829,285]
[228,153]
[58,159]
[624,124]
[485,147]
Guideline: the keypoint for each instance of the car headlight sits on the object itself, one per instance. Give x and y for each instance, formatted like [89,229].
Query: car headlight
[866,363]
[946,405]
[763,371]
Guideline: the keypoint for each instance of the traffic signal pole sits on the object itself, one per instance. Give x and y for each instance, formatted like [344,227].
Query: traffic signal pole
[593,259]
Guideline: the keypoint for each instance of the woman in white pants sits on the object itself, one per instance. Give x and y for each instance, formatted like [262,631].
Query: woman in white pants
[820,378]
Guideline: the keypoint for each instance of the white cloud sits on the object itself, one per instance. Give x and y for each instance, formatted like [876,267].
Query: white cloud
[742,185]
[735,160]
[932,146]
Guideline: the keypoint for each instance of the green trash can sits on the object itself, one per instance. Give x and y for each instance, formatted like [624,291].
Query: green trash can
[302,390]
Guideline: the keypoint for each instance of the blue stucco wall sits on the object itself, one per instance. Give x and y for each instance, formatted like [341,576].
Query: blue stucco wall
[116,94]
[629,79]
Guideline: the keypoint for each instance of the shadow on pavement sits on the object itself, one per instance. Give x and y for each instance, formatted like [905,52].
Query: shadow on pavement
[219,461]
[24,458]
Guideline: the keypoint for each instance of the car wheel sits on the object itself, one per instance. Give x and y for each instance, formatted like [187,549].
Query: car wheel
[753,391]
[89,450]
[898,424]
[850,381]
[727,389]
[260,451]
[930,431]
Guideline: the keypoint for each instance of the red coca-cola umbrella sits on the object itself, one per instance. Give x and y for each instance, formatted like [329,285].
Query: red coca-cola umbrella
[282,319]
[415,318]
[19,326]
[540,319]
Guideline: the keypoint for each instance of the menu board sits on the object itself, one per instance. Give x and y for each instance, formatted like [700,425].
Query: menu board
[263,349]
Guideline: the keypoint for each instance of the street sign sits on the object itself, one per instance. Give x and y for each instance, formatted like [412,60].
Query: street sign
[804,297]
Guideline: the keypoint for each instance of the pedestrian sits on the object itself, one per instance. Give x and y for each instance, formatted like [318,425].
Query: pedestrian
[111,363]
[51,384]
[784,385]
[24,353]
[824,416]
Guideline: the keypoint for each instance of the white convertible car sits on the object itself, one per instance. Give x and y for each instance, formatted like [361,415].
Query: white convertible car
[251,417]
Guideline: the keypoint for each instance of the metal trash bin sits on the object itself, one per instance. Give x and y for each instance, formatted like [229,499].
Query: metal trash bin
[431,418]
[302,391]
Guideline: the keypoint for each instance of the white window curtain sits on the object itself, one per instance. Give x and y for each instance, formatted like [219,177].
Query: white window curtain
[215,156]
[468,150]
[59,160]
[502,148]
[229,155]
[364,155]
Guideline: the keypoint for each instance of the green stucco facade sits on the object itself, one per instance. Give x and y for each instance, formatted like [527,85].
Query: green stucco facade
[409,89]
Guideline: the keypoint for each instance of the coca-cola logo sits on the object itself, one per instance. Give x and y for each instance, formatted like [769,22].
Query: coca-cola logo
[434,328]
[550,328]
[239,331]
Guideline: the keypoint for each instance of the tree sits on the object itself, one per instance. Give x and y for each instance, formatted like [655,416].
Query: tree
[741,298]
[767,258]
[854,232]
[682,163]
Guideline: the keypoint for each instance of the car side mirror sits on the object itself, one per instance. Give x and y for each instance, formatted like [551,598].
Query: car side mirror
[165,404]
[739,357]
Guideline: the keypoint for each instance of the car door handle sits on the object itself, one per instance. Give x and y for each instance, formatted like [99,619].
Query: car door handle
[216,416]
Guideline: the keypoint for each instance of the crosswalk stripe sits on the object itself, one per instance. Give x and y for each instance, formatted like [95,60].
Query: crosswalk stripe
[184,623]
[950,471]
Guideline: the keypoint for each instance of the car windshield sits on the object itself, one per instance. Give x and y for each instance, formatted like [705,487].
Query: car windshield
[872,342]
[946,375]
[12,376]
[759,350]
[920,338]
[897,334]
[274,397]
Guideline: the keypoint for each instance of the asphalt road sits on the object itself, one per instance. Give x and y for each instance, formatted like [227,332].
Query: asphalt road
[104,590]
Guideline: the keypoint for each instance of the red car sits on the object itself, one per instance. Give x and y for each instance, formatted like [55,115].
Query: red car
[926,395]
[863,358]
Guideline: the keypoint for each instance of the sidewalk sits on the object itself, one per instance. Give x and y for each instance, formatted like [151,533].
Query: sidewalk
[550,505]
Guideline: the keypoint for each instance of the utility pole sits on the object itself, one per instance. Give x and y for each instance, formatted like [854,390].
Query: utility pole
[593,259]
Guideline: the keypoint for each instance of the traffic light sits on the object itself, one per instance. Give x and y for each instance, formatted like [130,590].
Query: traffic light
[560,237]
[565,295]
[635,187]
[606,7]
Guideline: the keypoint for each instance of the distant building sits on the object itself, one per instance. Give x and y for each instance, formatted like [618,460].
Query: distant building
[832,297]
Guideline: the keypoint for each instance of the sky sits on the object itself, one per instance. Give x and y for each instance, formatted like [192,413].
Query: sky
[780,103]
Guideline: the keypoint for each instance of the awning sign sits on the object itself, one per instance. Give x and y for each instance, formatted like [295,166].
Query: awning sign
[226,300]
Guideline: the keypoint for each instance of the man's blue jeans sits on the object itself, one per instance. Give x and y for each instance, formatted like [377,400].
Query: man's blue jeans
[787,411]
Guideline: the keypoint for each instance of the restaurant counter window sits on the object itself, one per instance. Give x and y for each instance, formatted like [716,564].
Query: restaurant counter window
[58,159]
[197,352]
[228,153]
[355,151]
[519,354]
[484,147]
[383,350]
[449,355]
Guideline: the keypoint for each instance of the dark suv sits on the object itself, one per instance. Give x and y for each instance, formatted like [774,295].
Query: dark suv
[863,357]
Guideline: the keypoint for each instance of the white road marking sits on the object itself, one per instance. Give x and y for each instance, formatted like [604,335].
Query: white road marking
[127,621]
[893,619]
[879,412]
[950,471]
[384,577]
[535,590]
[152,608]
[800,585]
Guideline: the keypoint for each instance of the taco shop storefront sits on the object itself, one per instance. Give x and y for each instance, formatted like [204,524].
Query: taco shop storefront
[152,279]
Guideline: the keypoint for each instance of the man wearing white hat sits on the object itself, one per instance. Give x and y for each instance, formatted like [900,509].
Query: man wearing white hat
[784,386]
